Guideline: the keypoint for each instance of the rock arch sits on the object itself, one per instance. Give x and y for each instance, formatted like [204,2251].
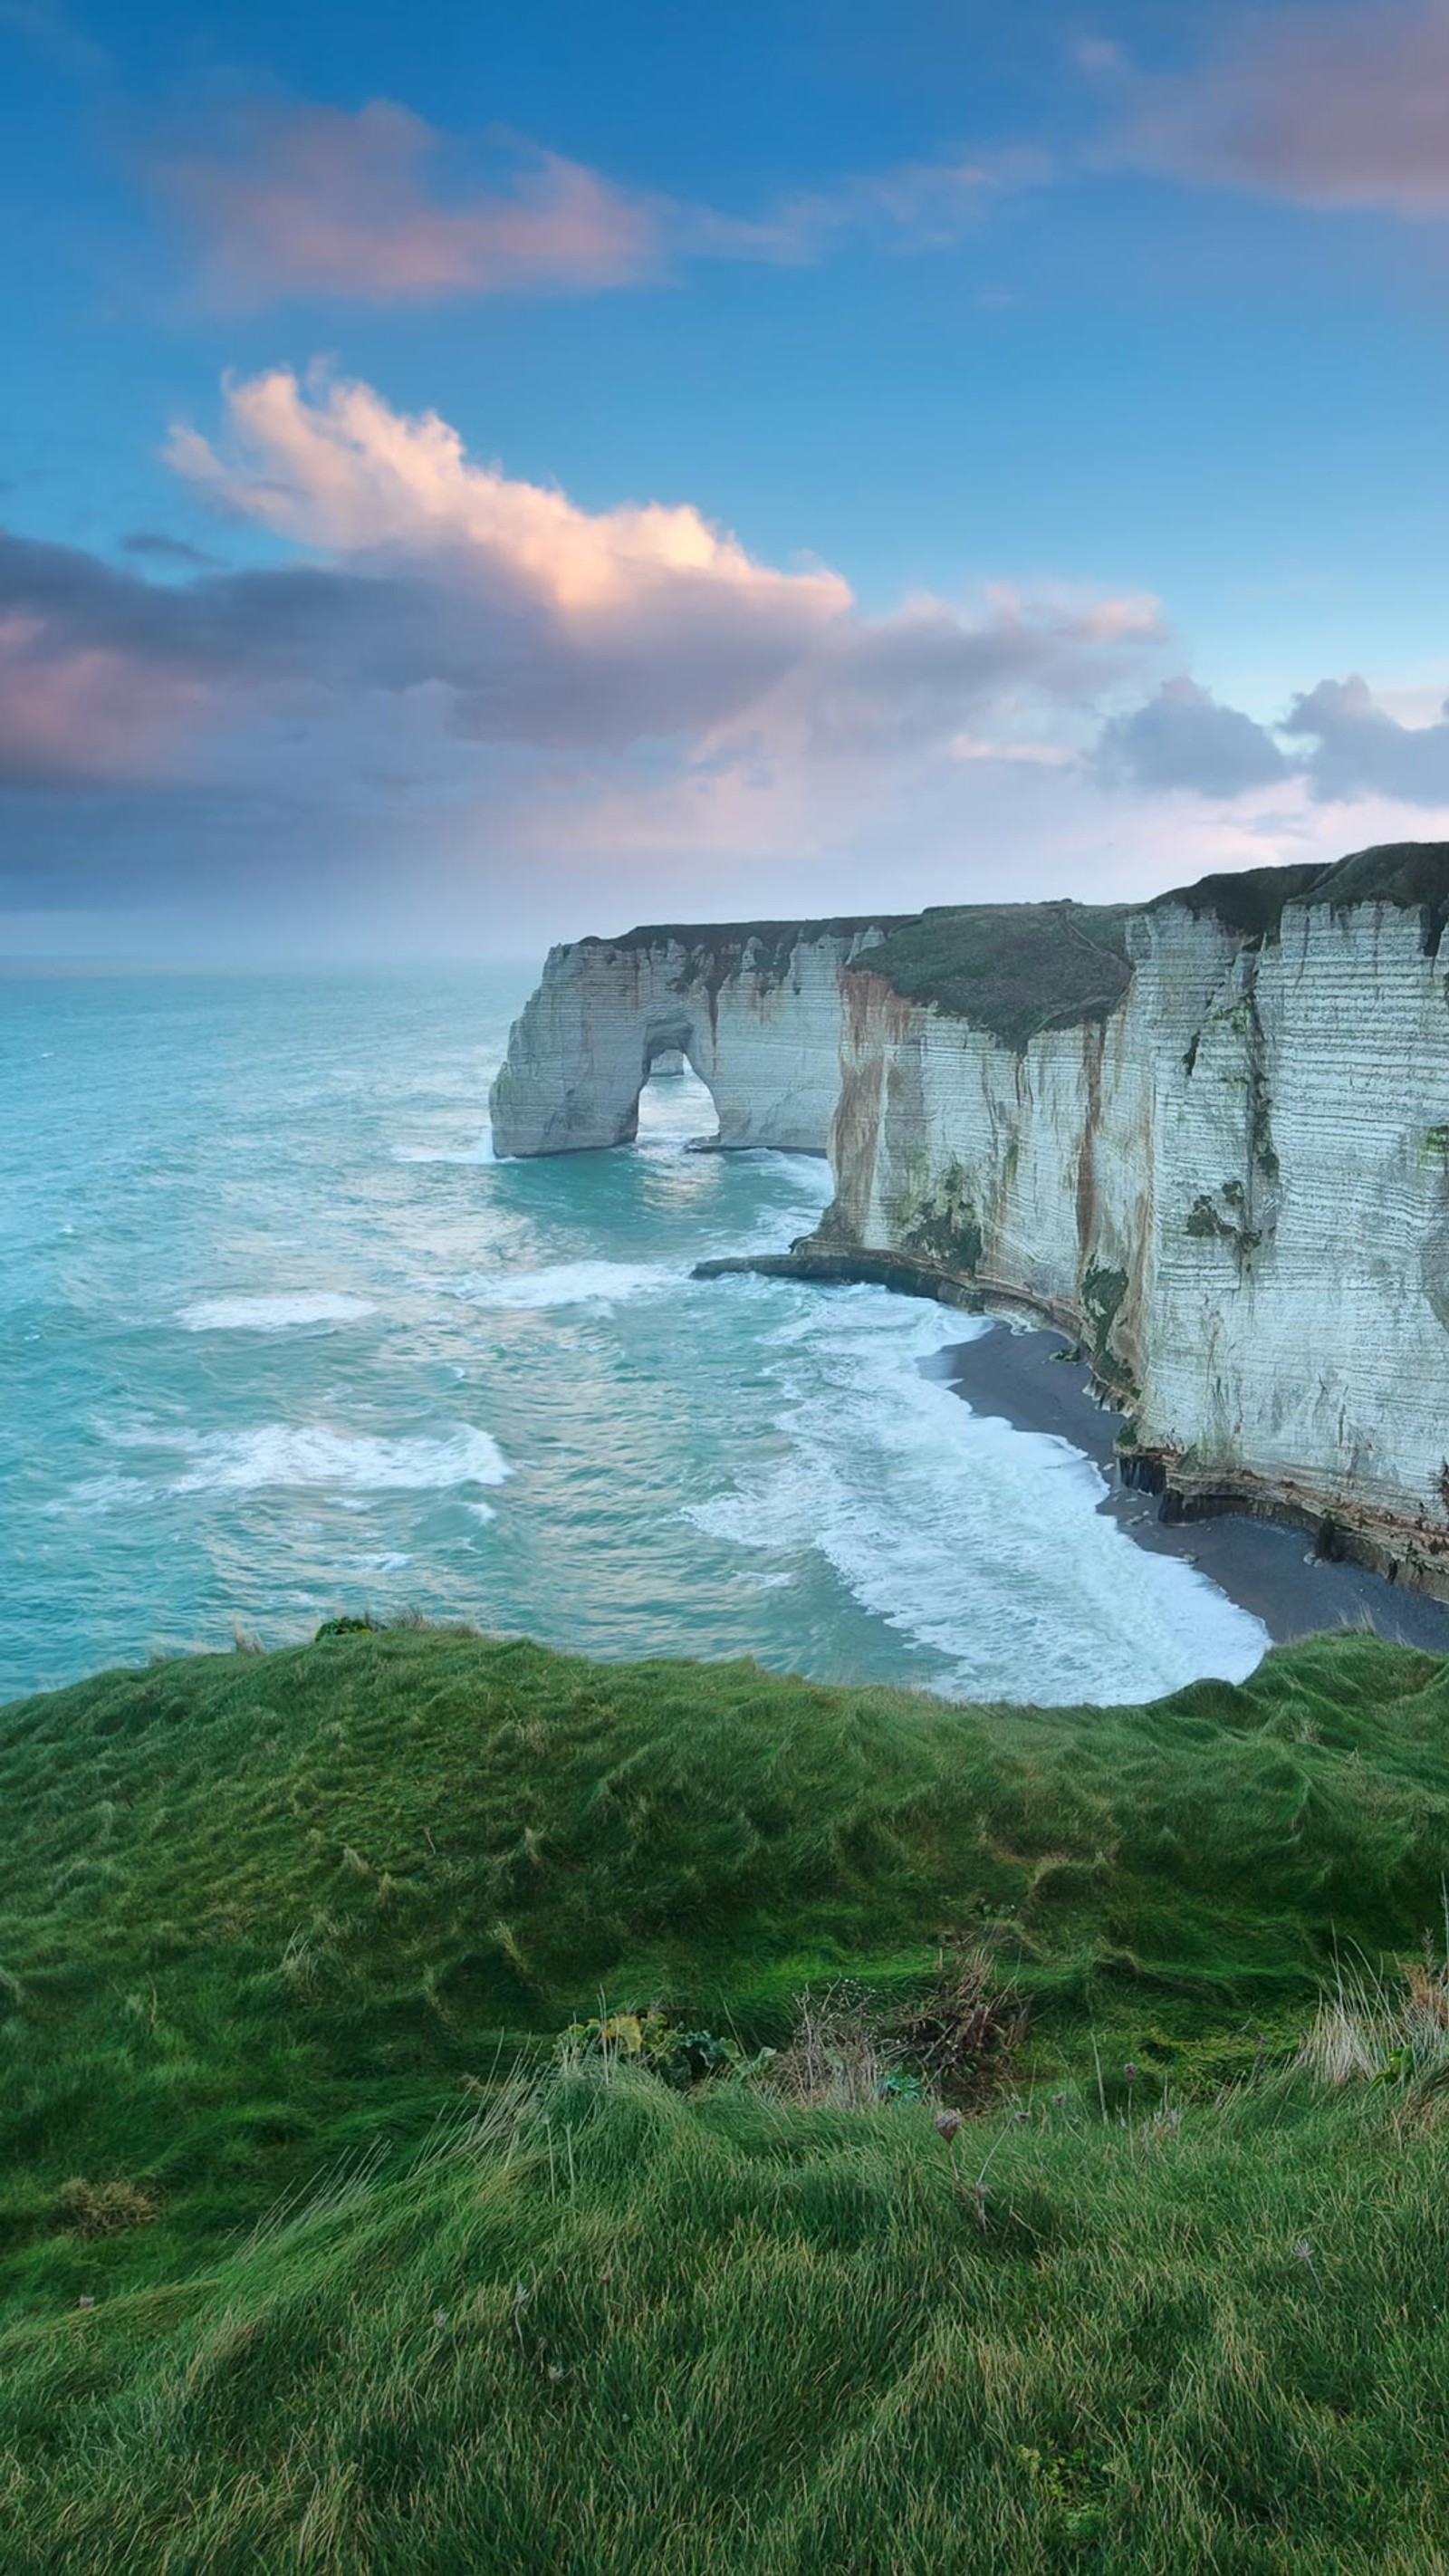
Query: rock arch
[756,1012]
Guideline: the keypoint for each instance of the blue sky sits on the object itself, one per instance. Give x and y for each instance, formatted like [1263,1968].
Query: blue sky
[877,455]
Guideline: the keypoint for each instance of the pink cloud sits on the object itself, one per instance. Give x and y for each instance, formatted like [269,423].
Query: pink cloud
[1326,106]
[284,199]
[330,464]
[303,200]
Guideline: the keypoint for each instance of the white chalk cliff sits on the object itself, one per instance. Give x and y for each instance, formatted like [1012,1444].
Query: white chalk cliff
[755,1011]
[1209,1137]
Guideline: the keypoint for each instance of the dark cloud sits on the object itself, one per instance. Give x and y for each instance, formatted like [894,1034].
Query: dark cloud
[156,547]
[889,686]
[1184,738]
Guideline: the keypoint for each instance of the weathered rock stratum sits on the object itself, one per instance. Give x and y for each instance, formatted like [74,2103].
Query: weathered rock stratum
[1209,1136]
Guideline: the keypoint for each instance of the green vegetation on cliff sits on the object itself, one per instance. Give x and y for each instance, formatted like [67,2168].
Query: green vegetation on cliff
[1016,969]
[1012,968]
[1407,874]
[285,1942]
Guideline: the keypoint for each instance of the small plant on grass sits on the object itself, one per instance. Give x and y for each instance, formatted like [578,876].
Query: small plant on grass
[841,2054]
[650,2041]
[966,2034]
[92,2209]
[1377,2029]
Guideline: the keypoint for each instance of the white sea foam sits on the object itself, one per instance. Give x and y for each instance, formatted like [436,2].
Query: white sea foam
[96,1496]
[482,1152]
[979,1542]
[569,1283]
[272,1314]
[286,1455]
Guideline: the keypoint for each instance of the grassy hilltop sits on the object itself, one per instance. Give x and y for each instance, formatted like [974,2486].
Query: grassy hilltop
[318,2255]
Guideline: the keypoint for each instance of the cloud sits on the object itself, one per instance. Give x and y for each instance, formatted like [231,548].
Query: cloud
[1184,738]
[284,198]
[455,688]
[287,200]
[917,206]
[95,682]
[157,547]
[553,624]
[438,632]
[1341,744]
[1361,750]
[1326,106]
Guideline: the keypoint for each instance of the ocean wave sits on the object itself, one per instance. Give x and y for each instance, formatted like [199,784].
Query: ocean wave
[272,1314]
[286,1455]
[569,1283]
[980,1543]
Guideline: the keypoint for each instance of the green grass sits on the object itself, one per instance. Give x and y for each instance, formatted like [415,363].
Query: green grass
[628,2331]
[1018,968]
[1411,874]
[1012,968]
[291,1933]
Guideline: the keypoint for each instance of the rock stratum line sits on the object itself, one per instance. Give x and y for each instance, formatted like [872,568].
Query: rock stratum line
[1209,1136]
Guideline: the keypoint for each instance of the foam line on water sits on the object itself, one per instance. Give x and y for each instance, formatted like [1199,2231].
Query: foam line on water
[287,1455]
[569,1283]
[980,1543]
[482,1152]
[279,1313]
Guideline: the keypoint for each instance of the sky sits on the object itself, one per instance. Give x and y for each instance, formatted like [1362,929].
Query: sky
[471,477]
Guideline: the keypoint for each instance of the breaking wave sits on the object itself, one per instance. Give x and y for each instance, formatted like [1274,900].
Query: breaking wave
[978,1542]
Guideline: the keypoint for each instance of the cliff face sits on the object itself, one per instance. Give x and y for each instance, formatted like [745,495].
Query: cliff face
[755,1009]
[1217,1149]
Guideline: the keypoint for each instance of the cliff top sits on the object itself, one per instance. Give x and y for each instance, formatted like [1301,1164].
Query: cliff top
[1411,874]
[777,938]
[1016,969]
[1012,968]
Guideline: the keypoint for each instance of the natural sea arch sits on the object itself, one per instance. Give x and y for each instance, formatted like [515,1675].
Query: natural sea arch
[674,1099]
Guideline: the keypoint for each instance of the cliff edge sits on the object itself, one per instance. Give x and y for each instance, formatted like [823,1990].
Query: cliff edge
[1208,1135]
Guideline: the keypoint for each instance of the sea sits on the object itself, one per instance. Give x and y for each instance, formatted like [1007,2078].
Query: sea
[280,1340]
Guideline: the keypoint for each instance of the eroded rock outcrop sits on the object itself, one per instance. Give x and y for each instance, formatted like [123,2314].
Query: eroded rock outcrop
[753,1007]
[1209,1136]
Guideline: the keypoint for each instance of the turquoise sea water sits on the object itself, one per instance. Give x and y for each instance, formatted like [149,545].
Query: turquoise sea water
[279,1338]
